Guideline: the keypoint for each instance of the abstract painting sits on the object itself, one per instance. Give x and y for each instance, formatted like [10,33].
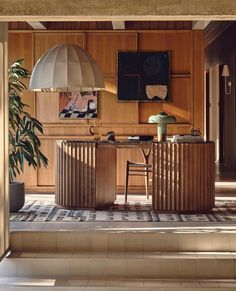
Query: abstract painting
[73,105]
[143,76]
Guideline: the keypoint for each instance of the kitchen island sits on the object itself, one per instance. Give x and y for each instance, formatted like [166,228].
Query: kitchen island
[182,174]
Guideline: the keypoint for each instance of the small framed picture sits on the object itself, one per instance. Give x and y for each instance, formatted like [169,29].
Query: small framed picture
[73,105]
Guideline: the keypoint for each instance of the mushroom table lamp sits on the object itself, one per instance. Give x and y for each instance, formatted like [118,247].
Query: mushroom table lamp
[162,119]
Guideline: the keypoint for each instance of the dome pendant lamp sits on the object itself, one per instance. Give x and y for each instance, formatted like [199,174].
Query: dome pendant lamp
[66,67]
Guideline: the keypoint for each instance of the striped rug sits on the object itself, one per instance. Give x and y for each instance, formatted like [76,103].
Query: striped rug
[39,211]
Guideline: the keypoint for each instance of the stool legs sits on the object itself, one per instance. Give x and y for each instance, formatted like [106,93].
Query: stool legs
[126,181]
[146,176]
[146,182]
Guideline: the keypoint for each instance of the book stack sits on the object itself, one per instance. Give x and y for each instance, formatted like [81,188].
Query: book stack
[140,138]
[187,138]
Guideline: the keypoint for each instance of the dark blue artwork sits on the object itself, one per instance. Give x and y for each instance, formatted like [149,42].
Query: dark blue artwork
[143,76]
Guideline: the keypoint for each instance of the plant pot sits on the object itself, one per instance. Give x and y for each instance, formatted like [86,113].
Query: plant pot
[16,196]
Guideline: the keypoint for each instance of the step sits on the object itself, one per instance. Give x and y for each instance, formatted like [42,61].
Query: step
[120,240]
[30,283]
[133,265]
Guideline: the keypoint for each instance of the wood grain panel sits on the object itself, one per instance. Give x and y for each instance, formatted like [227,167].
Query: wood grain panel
[46,177]
[179,105]
[152,25]
[47,105]
[198,83]
[76,38]
[183,177]
[18,25]
[79,25]
[75,179]
[132,155]
[74,131]
[20,46]
[123,118]
[111,111]
[179,43]
[104,25]
[44,41]
[105,168]
[104,47]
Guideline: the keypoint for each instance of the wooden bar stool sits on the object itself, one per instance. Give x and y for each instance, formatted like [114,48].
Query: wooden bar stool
[138,169]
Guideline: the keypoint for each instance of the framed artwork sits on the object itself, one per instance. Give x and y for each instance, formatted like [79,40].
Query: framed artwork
[143,76]
[73,105]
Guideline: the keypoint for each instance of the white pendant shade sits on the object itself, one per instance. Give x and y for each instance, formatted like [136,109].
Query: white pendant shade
[66,67]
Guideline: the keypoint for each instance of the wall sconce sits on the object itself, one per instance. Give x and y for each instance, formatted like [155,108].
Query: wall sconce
[225,74]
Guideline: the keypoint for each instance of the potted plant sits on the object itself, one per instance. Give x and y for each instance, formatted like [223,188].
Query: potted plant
[24,145]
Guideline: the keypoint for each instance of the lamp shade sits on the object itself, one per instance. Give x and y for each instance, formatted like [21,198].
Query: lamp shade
[225,71]
[66,67]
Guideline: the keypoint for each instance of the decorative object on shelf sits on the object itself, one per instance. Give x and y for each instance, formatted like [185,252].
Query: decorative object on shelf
[66,68]
[195,132]
[95,130]
[24,145]
[73,105]
[226,74]
[143,76]
[187,138]
[111,136]
[162,119]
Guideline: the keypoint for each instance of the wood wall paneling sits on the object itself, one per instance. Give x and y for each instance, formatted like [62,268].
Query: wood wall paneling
[104,47]
[46,177]
[153,25]
[114,112]
[132,155]
[105,168]
[44,41]
[21,46]
[179,105]
[198,81]
[76,38]
[125,118]
[105,25]
[19,25]
[179,43]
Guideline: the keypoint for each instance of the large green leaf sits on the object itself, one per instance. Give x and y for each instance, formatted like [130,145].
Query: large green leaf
[23,128]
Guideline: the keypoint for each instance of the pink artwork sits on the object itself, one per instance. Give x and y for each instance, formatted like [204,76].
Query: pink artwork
[78,104]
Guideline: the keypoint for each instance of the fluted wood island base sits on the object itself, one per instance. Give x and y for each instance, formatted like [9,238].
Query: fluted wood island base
[182,175]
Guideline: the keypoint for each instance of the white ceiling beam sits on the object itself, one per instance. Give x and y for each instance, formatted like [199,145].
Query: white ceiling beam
[118,24]
[36,25]
[199,24]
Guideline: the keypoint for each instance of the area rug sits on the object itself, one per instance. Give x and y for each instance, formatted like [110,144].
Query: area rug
[38,211]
